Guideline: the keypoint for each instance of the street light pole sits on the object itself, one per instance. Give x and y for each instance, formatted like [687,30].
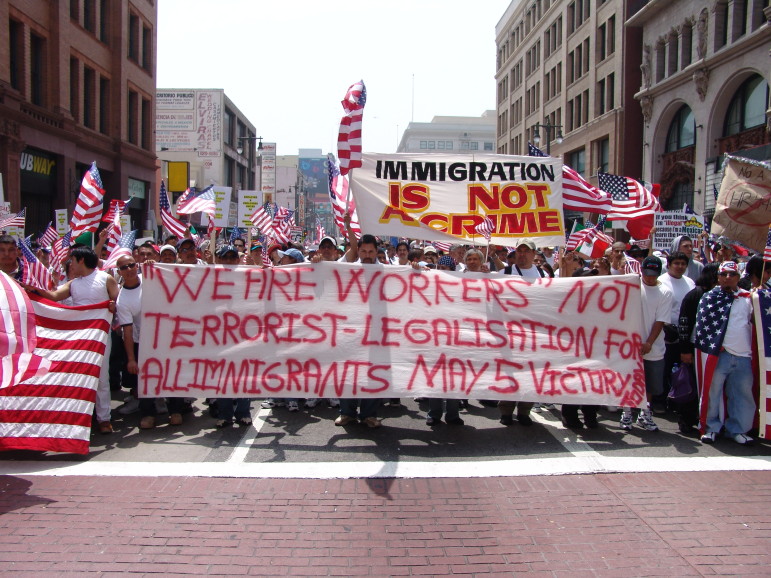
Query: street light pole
[548,128]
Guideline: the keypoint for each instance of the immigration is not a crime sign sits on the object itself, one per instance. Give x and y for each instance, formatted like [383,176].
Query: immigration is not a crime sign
[348,330]
[444,198]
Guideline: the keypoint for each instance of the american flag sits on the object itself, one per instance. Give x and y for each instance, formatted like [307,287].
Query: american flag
[123,249]
[48,237]
[349,138]
[282,225]
[338,193]
[767,251]
[762,312]
[35,273]
[17,220]
[235,233]
[115,205]
[172,224]
[486,228]
[47,400]
[88,207]
[202,201]
[60,250]
[262,218]
[320,232]
[442,246]
[577,193]
[630,198]
[115,230]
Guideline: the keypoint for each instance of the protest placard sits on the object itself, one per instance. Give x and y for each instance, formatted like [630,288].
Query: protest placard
[445,198]
[672,224]
[351,330]
[247,204]
[743,209]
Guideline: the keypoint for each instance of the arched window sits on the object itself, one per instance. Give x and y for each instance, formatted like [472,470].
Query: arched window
[682,131]
[748,106]
[682,193]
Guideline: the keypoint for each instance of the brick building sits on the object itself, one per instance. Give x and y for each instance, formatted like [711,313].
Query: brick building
[77,84]
[567,73]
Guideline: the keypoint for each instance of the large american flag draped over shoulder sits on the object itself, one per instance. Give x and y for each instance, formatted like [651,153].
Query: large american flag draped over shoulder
[172,224]
[577,193]
[88,208]
[630,198]
[349,146]
[47,397]
[338,193]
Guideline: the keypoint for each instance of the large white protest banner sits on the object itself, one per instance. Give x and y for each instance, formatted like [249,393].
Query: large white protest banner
[350,330]
[444,197]
[672,224]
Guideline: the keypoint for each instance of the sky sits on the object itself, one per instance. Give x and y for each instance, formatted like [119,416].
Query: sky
[287,64]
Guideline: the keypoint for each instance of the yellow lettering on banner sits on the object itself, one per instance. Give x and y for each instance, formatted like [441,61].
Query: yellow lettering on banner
[391,213]
[510,196]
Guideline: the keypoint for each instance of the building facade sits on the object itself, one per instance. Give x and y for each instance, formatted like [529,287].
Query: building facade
[451,134]
[563,74]
[77,84]
[206,130]
[704,92]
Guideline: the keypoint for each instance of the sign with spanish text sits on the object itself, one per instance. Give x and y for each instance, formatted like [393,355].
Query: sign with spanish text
[248,201]
[672,224]
[222,201]
[346,330]
[61,221]
[445,198]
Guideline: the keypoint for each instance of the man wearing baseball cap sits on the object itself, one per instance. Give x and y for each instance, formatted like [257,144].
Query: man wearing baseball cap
[724,348]
[656,308]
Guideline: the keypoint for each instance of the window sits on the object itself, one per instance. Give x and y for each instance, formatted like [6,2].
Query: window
[104,106]
[15,39]
[748,106]
[104,20]
[146,138]
[721,23]
[611,86]
[133,38]
[440,145]
[672,54]
[133,117]
[147,50]
[603,155]
[682,130]
[464,145]
[601,40]
[75,10]
[431,145]
[230,168]
[682,193]
[37,69]
[661,50]
[474,146]
[577,161]
[686,48]
[423,144]
[229,122]
[601,105]
[448,145]
[89,97]
[611,42]
[89,15]
[74,88]
[739,24]
[488,146]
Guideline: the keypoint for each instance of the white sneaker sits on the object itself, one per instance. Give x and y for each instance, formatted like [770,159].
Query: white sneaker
[293,406]
[537,408]
[743,440]
[130,406]
[333,402]
[267,404]
[311,403]
[626,420]
[645,421]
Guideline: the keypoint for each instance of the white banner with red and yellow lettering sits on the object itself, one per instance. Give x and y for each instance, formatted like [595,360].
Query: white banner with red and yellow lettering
[444,198]
[369,331]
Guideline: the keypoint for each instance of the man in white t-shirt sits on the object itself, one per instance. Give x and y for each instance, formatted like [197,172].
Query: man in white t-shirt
[523,262]
[656,309]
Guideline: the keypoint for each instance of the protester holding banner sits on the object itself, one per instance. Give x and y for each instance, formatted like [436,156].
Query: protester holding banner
[726,341]
[756,274]
[88,287]
[657,311]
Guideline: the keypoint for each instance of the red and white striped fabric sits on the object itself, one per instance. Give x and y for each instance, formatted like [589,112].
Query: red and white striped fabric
[48,237]
[579,195]
[48,406]
[349,147]
[88,208]
[262,219]
[116,206]
[170,222]
[338,194]
[115,233]
[17,220]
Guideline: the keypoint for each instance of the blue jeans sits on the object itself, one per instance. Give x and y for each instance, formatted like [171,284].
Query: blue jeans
[366,407]
[436,408]
[241,405]
[733,375]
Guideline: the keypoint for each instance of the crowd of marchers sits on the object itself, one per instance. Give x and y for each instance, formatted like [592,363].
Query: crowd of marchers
[680,288]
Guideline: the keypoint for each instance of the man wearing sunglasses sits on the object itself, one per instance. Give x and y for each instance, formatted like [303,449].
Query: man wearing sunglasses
[723,339]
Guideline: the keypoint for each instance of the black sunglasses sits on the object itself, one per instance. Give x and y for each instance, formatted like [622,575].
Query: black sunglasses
[127,266]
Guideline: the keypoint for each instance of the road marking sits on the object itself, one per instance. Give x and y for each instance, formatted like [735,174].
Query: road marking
[334,470]
[247,440]
[569,440]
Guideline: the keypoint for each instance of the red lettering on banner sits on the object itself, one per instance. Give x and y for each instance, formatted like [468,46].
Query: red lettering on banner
[180,276]
[627,345]
[219,283]
[355,279]
[456,375]
[400,287]
[390,213]
[607,298]
[501,374]
[181,329]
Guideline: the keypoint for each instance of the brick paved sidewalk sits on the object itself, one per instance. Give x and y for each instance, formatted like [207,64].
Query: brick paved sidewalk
[615,525]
